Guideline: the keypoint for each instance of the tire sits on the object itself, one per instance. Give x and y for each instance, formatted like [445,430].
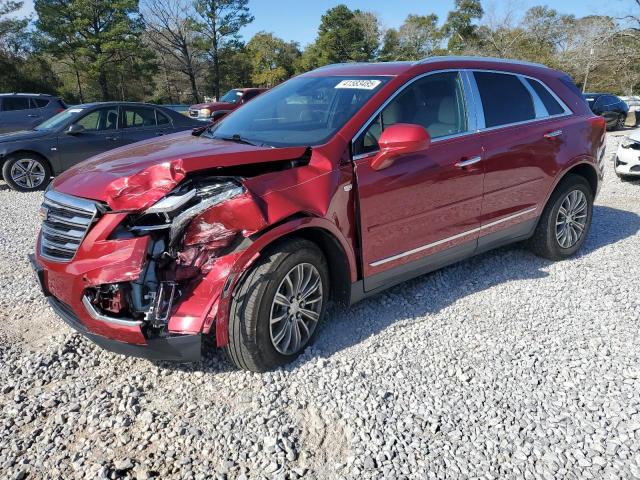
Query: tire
[253,338]
[35,170]
[545,242]
[622,119]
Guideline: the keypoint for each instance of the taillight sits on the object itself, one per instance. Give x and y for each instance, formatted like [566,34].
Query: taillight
[59,110]
[598,122]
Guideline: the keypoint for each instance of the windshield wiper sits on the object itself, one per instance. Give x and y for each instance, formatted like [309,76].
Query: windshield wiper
[238,139]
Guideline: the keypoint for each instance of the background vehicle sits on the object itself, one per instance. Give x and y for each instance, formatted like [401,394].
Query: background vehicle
[336,185]
[30,157]
[22,111]
[183,109]
[633,103]
[612,108]
[627,160]
[229,102]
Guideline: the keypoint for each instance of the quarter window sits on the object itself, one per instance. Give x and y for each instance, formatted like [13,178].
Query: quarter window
[39,102]
[504,98]
[550,103]
[162,118]
[435,102]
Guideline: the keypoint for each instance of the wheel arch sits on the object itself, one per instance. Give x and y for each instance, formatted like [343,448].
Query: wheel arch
[7,156]
[326,235]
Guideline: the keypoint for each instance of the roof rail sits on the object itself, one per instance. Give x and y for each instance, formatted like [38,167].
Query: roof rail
[30,94]
[477,59]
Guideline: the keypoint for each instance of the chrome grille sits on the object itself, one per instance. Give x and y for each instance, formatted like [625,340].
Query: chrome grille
[65,222]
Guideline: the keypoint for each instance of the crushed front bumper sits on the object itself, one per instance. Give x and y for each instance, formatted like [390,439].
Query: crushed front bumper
[176,348]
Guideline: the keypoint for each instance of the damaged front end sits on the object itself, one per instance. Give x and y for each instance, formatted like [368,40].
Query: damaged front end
[187,231]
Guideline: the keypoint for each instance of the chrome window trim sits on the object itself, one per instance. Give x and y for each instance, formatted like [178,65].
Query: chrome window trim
[538,107]
[473,103]
[398,256]
[398,92]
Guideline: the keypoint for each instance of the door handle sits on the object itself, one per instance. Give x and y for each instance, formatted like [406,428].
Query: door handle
[32,115]
[554,134]
[468,162]
[112,138]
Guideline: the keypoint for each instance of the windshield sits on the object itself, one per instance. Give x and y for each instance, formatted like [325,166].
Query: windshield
[59,120]
[304,111]
[232,96]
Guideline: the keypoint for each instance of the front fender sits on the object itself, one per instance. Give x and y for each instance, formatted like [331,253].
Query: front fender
[210,300]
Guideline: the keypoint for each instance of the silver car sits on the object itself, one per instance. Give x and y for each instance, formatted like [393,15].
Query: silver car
[23,111]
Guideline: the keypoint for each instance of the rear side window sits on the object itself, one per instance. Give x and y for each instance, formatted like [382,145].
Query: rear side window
[39,102]
[139,117]
[10,104]
[550,103]
[504,98]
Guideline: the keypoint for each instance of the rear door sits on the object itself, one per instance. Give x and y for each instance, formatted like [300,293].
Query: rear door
[521,138]
[425,207]
[100,134]
[140,123]
[17,114]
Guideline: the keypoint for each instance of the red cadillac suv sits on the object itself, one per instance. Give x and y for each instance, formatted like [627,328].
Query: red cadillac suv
[333,186]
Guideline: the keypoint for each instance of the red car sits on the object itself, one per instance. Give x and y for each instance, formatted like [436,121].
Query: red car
[230,101]
[330,187]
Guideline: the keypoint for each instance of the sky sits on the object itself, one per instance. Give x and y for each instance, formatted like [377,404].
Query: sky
[298,20]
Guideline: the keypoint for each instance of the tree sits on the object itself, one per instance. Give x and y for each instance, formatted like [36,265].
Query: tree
[100,35]
[221,21]
[173,31]
[459,27]
[369,23]
[419,36]
[390,50]
[272,59]
[343,37]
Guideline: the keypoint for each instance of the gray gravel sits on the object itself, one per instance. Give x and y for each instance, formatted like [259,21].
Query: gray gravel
[503,366]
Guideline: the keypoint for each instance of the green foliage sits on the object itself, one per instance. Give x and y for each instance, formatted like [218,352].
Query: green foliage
[272,59]
[100,37]
[220,21]
[460,27]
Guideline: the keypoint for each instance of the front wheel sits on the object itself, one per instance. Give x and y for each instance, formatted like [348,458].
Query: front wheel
[620,122]
[26,172]
[565,221]
[276,310]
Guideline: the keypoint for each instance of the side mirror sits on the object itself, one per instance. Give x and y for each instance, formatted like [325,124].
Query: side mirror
[398,140]
[75,129]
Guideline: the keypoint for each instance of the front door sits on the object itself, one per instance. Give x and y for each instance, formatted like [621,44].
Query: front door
[424,209]
[100,133]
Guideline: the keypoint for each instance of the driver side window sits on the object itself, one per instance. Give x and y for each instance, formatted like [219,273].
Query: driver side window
[435,102]
[100,119]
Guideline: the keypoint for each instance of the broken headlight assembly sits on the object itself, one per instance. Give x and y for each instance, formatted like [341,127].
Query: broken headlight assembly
[172,262]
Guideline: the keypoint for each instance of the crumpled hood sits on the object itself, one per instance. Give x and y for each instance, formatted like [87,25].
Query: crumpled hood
[136,176]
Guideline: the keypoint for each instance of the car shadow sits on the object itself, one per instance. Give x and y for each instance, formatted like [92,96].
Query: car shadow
[346,327]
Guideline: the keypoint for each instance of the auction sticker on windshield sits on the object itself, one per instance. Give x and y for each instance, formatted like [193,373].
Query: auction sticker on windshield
[359,84]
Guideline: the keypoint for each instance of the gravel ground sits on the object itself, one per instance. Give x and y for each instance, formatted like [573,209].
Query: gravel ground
[503,366]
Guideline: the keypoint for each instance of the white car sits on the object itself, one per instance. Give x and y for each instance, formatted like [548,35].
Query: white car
[627,161]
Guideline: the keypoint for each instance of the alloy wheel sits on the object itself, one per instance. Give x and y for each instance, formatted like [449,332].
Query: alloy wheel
[296,308]
[572,219]
[28,173]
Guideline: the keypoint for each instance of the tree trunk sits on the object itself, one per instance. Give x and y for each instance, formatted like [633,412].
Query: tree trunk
[216,73]
[75,69]
[104,86]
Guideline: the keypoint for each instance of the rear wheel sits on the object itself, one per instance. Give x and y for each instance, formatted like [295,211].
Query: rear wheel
[276,310]
[26,172]
[620,122]
[565,221]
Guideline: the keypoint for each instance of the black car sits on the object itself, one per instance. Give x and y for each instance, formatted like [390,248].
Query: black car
[21,111]
[30,158]
[612,108]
